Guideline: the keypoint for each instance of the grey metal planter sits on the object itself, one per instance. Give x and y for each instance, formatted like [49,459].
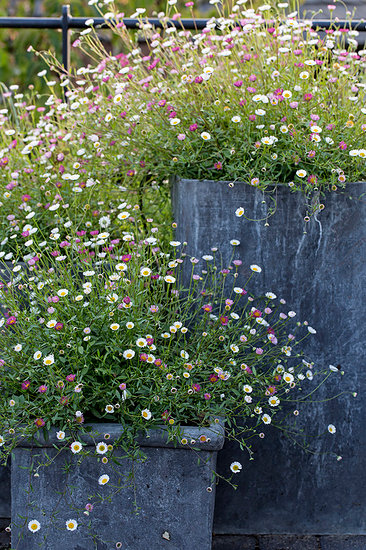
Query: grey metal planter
[176,509]
[322,276]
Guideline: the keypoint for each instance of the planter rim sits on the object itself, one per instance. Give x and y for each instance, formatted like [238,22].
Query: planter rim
[273,185]
[155,437]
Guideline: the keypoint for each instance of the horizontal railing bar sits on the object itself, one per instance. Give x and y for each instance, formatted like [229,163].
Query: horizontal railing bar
[79,23]
[30,23]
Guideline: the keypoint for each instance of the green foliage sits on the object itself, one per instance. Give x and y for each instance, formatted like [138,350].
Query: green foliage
[106,330]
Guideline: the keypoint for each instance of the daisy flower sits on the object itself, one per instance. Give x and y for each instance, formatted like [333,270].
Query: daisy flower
[34,526]
[49,360]
[128,354]
[146,414]
[103,479]
[71,524]
[101,448]
[76,447]
[235,467]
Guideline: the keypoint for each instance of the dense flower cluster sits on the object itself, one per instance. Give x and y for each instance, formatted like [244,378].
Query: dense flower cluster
[119,337]
[257,96]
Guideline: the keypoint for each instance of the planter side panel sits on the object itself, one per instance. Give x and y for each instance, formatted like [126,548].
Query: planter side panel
[322,276]
[171,491]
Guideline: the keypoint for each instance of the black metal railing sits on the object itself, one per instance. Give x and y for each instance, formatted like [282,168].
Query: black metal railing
[67,22]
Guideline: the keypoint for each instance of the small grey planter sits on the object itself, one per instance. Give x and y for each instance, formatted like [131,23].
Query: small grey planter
[322,276]
[176,509]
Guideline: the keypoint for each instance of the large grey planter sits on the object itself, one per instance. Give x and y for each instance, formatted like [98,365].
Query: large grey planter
[322,276]
[170,487]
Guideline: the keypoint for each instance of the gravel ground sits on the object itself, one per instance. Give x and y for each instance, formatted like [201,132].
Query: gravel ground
[289,542]
[256,542]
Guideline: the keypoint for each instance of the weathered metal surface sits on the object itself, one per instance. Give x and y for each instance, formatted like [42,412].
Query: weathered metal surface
[170,487]
[322,276]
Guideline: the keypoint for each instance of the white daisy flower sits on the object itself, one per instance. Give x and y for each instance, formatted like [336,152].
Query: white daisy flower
[301,173]
[145,271]
[273,401]
[71,524]
[76,447]
[103,479]
[316,129]
[49,360]
[235,467]
[128,354]
[34,526]
[121,267]
[62,292]
[146,414]
[141,342]
[123,215]
[101,448]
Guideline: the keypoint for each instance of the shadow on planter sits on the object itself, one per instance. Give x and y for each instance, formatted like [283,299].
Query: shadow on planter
[322,276]
[170,487]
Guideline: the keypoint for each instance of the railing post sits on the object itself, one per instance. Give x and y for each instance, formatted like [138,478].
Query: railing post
[65,20]
[66,37]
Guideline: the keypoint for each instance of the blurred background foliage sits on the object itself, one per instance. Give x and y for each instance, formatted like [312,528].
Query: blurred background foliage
[17,66]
